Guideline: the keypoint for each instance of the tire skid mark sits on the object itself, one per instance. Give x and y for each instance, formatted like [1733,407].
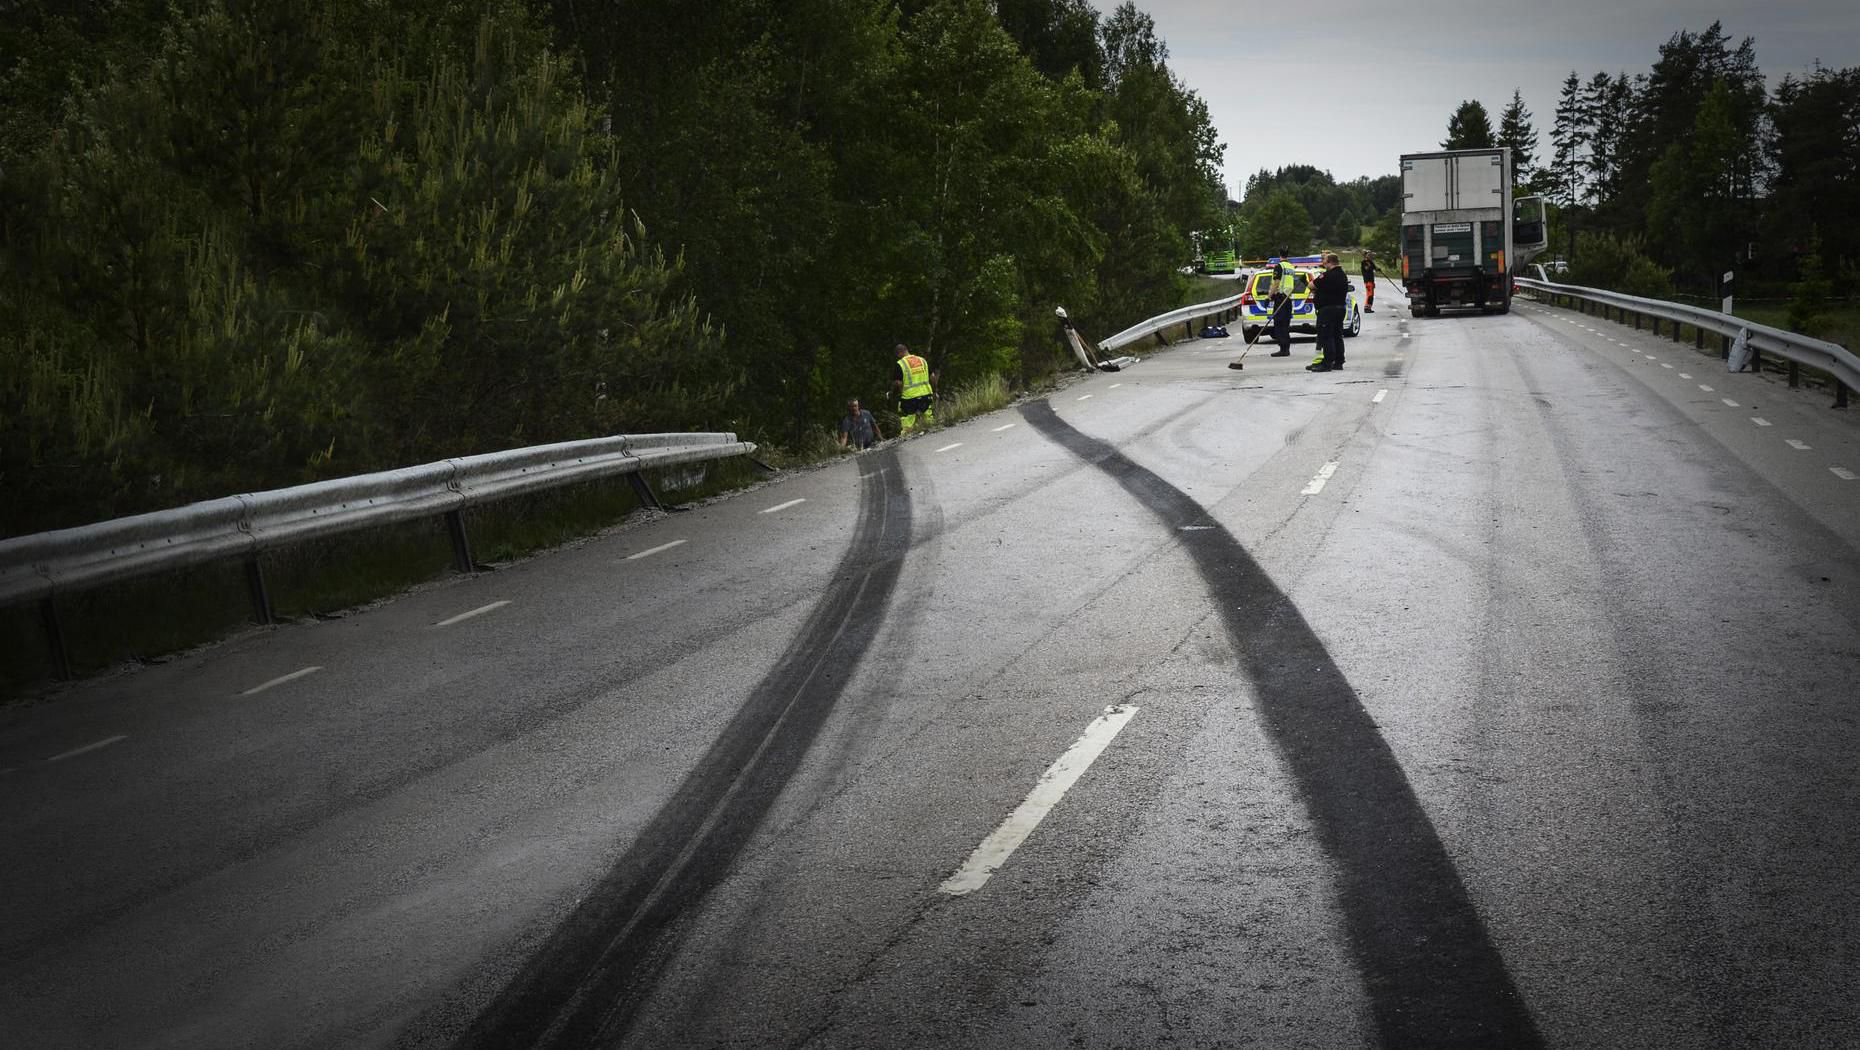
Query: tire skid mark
[586,982]
[1432,974]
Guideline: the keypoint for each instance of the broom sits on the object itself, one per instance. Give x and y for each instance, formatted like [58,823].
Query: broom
[1240,364]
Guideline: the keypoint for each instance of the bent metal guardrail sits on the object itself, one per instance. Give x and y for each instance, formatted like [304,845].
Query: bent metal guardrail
[1186,316]
[39,566]
[1832,358]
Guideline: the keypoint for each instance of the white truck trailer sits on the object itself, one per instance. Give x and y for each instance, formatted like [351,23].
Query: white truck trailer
[1463,236]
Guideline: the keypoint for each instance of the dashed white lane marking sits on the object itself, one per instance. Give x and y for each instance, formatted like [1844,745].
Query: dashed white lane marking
[1685,375]
[74,752]
[999,429]
[782,506]
[650,551]
[1084,397]
[1052,786]
[1798,445]
[1728,401]
[1843,473]
[1404,335]
[1114,386]
[479,611]
[1663,364]
[281,679]
[1380,394]
[956,444]
[1705,388]
[1316,484]
[1760,421]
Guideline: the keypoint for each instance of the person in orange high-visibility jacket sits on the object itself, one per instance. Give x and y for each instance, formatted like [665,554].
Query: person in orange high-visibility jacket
[916,390]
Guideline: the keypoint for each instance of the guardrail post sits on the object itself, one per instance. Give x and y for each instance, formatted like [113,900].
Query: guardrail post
[644,491]
[55,638]
[461,543]
[1637,320]
[1676,334]
[261,597]
[1840,394]
[1698,339]
[1795,375]
[1656,328]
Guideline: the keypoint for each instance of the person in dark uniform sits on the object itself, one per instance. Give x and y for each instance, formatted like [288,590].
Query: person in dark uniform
[1330,293]
[1369,282]
[1282,322]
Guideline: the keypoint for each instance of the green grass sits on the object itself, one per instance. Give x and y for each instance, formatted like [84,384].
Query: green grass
[973,399]
[1842,324]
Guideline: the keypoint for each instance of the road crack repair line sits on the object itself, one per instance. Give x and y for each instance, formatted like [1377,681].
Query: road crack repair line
[1432,974]
[585,983]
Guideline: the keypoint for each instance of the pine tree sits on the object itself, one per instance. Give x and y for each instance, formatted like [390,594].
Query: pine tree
[1569,141]
[1515,131]
[1470,127]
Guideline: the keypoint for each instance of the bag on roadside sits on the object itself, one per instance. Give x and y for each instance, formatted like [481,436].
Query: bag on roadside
[1740,352]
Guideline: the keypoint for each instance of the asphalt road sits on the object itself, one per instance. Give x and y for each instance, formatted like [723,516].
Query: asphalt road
[1502,689]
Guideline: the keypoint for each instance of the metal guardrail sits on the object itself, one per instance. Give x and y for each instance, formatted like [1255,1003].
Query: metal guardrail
[1832,358]
[1186,316]
[41,565]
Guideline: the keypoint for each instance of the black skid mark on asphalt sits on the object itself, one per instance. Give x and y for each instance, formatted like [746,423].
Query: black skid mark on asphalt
[586,983]
[1433,976]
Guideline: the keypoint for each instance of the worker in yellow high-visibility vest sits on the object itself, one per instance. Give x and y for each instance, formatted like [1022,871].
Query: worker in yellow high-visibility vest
[915,387]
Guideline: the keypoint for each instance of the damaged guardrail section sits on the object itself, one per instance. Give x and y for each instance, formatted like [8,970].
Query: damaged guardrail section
[1186,316]
[42,565]
[1800,350]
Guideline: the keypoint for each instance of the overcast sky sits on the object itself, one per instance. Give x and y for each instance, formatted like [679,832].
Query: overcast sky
[1350,85]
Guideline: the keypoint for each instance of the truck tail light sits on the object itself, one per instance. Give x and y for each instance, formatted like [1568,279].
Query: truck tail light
[1404,267]
[1501,260]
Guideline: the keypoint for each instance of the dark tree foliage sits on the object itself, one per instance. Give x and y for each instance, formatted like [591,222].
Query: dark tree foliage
[1697,166]
[1470,127]
[1515,131]
[245,244]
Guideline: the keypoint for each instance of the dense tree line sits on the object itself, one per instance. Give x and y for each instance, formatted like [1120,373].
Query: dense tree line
[1669,177]
[1301,207]
[246,244]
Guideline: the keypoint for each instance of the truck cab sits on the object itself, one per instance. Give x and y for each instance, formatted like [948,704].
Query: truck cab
[1463,235]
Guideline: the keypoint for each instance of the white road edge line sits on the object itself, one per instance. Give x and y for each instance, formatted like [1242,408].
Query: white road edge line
[946,448]
[782,506]
[281,679]
[105,742]
[650,551]
[1843,473]
[1380,394]
[1316,484]
[1052,786]
[999,429]
[1798,444]
[479,611]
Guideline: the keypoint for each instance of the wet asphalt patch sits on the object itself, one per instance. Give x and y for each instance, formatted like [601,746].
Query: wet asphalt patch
[1432,974]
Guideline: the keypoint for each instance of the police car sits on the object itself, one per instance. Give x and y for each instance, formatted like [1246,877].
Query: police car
[1256,301]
